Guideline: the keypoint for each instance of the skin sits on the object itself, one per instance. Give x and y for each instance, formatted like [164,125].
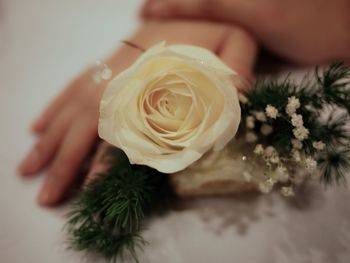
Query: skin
[67,128]
[304,32]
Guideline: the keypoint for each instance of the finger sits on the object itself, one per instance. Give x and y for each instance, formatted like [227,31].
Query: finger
[228,10]
[239,51]
[45,118]
[76,146]
[98,164]
[43,152]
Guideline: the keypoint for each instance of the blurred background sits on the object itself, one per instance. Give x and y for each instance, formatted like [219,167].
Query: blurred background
[43,45]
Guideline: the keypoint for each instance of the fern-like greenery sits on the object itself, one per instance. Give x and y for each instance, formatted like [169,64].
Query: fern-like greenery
[327,93]
[109,214]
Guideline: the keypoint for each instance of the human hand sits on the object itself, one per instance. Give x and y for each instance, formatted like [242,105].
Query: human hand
[306,32]
[67,129]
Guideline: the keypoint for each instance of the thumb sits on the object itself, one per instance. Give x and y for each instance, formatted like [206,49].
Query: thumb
[227,10]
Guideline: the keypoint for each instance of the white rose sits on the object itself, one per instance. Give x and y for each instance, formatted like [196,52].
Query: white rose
[170,107]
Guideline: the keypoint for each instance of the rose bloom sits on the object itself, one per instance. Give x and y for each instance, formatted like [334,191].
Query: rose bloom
[170,107]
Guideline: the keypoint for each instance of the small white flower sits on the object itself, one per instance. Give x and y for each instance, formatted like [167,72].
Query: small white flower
[293,105]
[281,174]
[266,129]
[297,145]
[271,111]
[287,191]
[260,116]
[259,149]
[301,133]
[297,120]
[269,151]
[296,156]
[242,98]
[250,122]
[247,176]
[271,155]
[266,187]
[318,145]
[274,159]
[251,137]
[310,164]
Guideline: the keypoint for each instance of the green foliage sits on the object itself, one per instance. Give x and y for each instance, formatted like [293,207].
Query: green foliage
[110,212]
[108,216]
[334,163]
[334,86]
[327,93]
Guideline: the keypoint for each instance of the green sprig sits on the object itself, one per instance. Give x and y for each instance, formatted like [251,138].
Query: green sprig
[327,93]
[109,214]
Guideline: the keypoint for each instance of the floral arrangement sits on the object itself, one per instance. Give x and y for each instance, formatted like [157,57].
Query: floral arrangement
[179,127]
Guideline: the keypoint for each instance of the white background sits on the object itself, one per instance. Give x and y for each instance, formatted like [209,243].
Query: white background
[43,44]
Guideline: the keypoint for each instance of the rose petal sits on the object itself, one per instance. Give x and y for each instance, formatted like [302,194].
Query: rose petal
[170,107]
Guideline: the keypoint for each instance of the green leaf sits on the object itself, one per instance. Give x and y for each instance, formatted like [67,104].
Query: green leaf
[109,214]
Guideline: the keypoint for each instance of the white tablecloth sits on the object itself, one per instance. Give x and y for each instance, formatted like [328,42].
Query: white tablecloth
[43,44]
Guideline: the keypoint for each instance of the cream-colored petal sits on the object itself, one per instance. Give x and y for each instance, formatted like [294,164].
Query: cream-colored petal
[170,107]
[169,163]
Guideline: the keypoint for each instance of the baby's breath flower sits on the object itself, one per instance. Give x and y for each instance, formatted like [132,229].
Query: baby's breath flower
[269,151]
[271,111]
[296,156]
[298,145]
[242,98]
[260,116]
[250,122]
[310,164]
[259,149]
[266,129]
[287,191]
[266,187]
[293,105]
[281,174]
[271,155]
[274,159]
[297,120]
[318,145]
[301,133]
[251,137]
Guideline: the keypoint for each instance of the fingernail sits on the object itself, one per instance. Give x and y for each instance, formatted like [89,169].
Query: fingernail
[44,197]
[37,122]
[29,162]
[35,127]
[46,193]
